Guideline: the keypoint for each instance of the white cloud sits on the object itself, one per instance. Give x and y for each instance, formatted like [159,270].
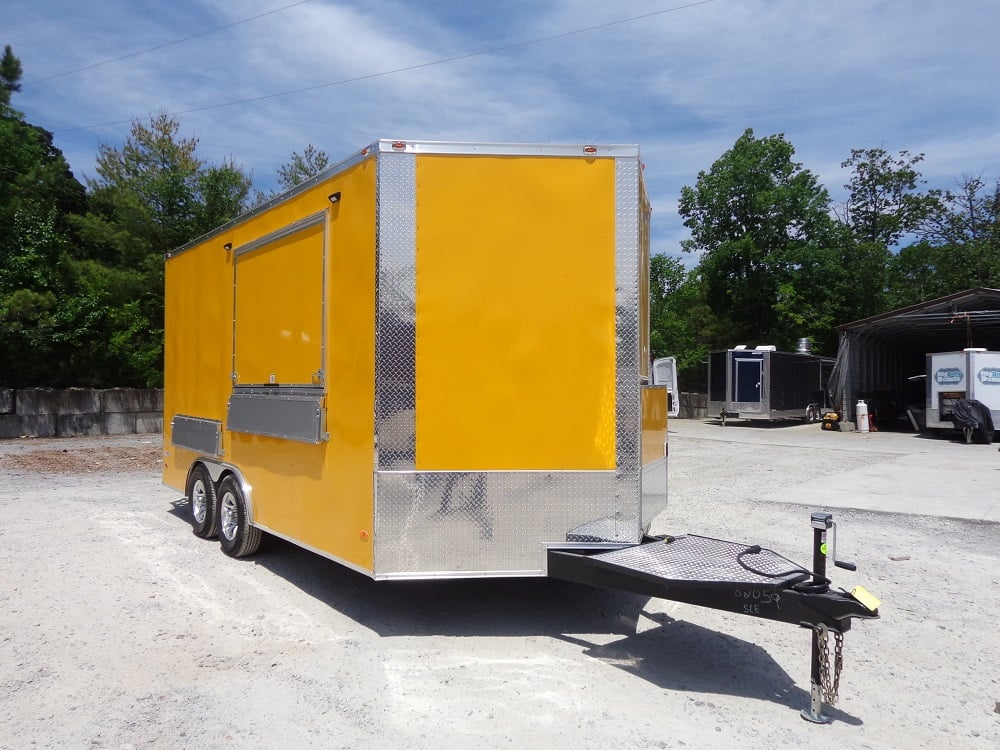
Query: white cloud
[682,84]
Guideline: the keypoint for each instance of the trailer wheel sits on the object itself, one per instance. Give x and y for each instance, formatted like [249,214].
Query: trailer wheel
[237,535]
[812,415]
[200,491]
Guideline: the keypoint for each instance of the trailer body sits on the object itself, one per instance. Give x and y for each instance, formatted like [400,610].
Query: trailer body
[430,360]
[763,383]
[972,374]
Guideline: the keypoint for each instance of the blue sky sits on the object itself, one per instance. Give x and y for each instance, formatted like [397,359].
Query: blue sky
[683,79]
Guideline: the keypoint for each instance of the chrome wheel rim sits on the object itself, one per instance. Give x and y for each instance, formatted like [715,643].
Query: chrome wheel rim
[199,501]
[228,515]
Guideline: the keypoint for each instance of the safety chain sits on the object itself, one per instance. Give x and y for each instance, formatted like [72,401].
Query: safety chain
[830,683]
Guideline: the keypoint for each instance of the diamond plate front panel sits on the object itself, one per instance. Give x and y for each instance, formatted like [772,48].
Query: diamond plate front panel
[395,347]
[466,524]
[627,333]
[700,560]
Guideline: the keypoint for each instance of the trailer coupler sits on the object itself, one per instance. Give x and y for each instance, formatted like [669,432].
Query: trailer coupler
[739,578]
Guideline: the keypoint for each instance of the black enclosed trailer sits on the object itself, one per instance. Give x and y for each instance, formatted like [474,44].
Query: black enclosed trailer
[764,383]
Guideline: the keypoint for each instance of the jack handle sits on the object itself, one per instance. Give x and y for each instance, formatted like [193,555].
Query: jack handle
[826,543]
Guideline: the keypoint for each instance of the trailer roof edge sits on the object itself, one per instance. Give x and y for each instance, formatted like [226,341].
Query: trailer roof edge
[389,145]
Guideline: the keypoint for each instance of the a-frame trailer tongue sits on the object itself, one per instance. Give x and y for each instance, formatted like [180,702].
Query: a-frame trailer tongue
[739,578]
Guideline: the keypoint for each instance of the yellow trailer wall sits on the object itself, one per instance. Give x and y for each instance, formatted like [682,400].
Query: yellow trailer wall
[320,495]
[515,313]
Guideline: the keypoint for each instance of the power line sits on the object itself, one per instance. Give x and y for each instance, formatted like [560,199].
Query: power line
[170,44]
[405,69]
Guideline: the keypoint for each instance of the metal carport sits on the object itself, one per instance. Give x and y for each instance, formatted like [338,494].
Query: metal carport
[877,355]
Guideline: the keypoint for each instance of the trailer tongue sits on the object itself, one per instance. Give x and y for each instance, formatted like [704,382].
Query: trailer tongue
[738,578]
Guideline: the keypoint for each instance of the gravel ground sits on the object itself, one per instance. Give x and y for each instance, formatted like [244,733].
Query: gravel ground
[120,629]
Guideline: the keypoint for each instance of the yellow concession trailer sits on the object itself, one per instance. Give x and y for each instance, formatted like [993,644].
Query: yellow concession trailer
[429,360]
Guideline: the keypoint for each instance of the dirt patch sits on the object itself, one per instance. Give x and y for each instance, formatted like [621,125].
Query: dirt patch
[110,458]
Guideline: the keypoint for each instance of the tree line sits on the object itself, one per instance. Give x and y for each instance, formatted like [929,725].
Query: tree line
[81,264]
[776,260]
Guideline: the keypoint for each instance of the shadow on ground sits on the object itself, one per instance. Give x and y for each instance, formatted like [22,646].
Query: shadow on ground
[670,653]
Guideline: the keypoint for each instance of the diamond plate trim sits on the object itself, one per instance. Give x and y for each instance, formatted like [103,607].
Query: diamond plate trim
[703,560]
[484,523]
[627,395]
[395,347]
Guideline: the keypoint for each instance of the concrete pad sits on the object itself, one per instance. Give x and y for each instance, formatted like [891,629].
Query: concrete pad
[913,473]
[926,484]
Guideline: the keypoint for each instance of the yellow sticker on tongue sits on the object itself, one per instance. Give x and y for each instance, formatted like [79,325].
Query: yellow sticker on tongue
[866,597]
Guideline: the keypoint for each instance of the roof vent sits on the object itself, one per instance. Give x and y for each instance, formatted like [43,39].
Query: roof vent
[766,348]
[804,346]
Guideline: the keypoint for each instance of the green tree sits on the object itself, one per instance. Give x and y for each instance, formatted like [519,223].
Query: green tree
[151,195]
[885,204]
[10,75]
[965,227]
[157,189]
[37,275]
[682,324]
[300,167]
[761,225]
[917,273]
[884,199]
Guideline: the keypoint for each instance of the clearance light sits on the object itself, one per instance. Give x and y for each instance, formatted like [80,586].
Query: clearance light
[398,145]
[590,149]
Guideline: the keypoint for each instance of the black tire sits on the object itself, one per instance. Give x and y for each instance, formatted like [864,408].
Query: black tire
[200,491]
[237,536]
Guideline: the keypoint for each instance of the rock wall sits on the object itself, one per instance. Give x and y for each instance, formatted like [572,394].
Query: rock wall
[50,412]
[693,406]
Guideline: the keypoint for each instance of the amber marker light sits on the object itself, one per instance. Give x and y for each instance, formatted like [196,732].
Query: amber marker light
[365,536]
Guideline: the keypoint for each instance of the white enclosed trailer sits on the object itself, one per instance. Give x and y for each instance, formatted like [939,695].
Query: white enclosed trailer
[972,374]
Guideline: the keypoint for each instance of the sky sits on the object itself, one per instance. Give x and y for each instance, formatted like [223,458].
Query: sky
[256,80]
